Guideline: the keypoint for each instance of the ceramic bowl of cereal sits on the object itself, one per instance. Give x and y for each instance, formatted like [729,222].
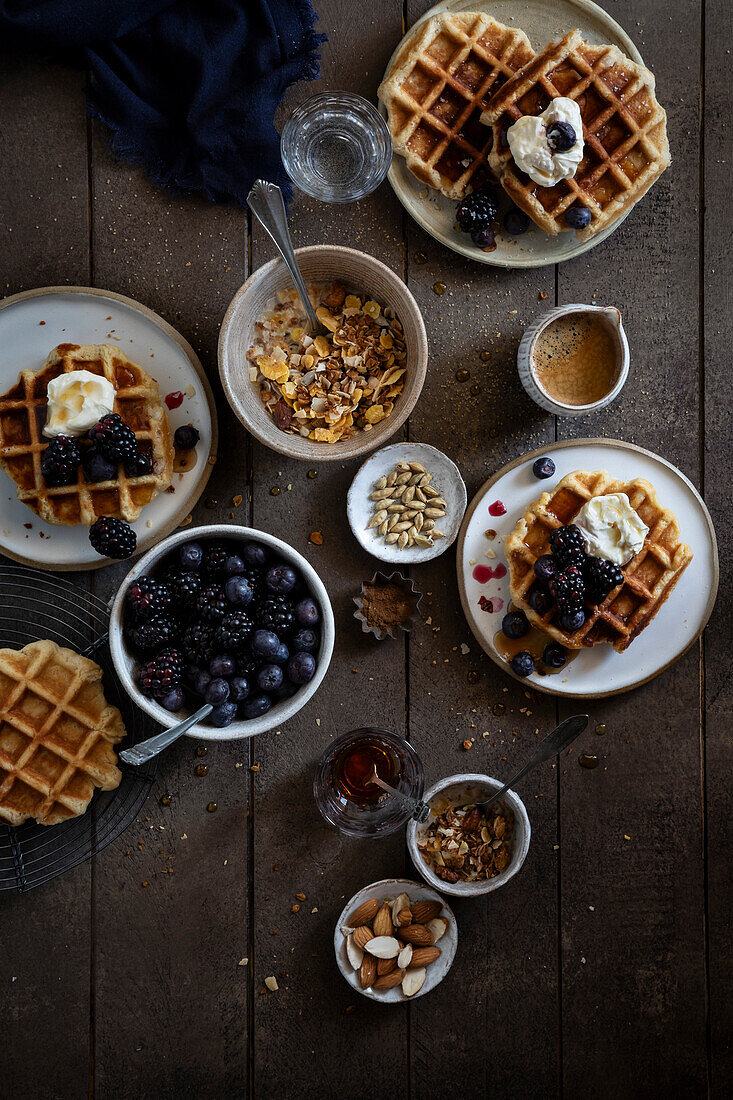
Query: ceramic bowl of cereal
[413,933]
[462,852]
[335,394]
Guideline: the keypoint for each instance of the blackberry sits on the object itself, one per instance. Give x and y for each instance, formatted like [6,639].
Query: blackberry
[601,576]
[476,211]
[211,604]
[155,634]
[185,587]
[213,563]
[112,538]
[568,588]
[198,643]
[114,439]
[567,545]
[276,614]
[233,631]
[60,462]
[162,674]
[147,597]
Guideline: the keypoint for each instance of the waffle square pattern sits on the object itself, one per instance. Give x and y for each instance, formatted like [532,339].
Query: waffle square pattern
[624,130]
[56,734]
[23,411]
[648,579]
[440,82]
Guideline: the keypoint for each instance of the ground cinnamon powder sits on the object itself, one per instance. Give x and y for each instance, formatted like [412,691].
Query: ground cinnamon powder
[385,606]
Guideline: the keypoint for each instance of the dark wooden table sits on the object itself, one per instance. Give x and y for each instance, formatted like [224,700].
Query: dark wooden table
[603,969]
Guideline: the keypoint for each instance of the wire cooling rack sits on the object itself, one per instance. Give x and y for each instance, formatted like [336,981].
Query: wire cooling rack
[35,605]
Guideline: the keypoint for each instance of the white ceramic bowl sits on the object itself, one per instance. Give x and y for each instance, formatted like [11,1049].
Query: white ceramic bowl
[319,264]
[457,790]
[446,479]
[125,662]
[392,888]
[525,361]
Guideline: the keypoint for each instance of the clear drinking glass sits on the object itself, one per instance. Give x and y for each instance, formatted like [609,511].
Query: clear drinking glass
[336,147]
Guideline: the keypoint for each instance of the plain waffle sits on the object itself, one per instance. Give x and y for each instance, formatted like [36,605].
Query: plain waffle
[624,130]
[649,577]
[23,411]
[56,734]
[440,82]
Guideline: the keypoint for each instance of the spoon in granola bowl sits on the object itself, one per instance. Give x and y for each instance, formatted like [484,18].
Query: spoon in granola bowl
[266,202]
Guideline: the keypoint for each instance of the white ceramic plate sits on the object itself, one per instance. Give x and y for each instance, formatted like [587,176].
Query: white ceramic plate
[446,479]
[599,671]
[391,888]
[542,21]
[31,325]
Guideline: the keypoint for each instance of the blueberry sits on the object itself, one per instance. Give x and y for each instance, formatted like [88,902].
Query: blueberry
[270,677]
[516,222]
[239,591]
[253,554]
[201,682]
[217,692]
[222,666]
[571,621]
[173,700]
[483,238]
[540,601]
[561,137]
[265,644]
[281,579]
[282,654]
[190,555]
[555,655]
[522,663]
[238,688]
[578,217]
[543,468]
[515,624]
[97,467]
[307,613]
[256,706]
[186,437]
[301,667]
[233,565]
[305,639]
[545,567]
[223,715]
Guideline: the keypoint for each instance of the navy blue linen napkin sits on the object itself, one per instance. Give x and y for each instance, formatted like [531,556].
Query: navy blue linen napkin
[188,87]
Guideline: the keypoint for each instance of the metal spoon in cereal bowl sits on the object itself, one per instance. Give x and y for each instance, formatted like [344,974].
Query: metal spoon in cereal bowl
[266,202]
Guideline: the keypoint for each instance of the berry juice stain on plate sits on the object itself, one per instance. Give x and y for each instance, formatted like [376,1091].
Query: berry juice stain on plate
[497,508]
[492,606]
[174,400]
[484,573]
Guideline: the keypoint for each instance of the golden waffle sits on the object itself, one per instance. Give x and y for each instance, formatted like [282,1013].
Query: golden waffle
[138,401]
[441,80]
[624,129]
[649,577]
[56,734]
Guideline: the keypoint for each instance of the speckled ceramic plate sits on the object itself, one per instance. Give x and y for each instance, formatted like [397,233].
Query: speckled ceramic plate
[599,671]
[31,325]
[542,21]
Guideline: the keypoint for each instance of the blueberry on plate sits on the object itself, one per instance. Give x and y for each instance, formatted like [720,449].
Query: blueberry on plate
[190,556]
[561,137]
[515,624]
[282,654]
[223,715]
[301,667]
[516,222]
[555,655]
[484,237]
[253,554]
[522,663]
[543,468]
[222,665]
[256,706]
[233,565]
[571,620]
[281,579]
[578,217]
[238,688]
[239,591]
[265,644]
[540,601]
[217,692]
[545,567]
[186,437]
[306,612]
[173,700]
[306,640]
[270,677]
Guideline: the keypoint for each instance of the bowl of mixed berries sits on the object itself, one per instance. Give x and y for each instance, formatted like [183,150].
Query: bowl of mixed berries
[228,616]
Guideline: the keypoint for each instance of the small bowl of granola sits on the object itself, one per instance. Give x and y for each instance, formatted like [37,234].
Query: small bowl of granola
[462,851]
[335,394]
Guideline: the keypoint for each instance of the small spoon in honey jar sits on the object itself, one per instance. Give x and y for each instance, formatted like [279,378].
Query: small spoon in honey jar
[419,810]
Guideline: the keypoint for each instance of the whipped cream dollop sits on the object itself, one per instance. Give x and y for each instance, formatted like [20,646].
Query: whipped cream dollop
[611,528]
[532,154]
[76,401]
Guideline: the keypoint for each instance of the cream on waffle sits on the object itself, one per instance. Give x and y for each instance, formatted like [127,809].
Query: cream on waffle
[440,82]
[648,578]
[624,131]
[23,416]
[56,734]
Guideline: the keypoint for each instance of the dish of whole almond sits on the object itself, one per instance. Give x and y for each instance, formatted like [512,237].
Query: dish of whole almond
[395,940]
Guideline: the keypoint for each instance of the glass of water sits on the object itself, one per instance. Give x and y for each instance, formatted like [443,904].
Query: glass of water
[336,147]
